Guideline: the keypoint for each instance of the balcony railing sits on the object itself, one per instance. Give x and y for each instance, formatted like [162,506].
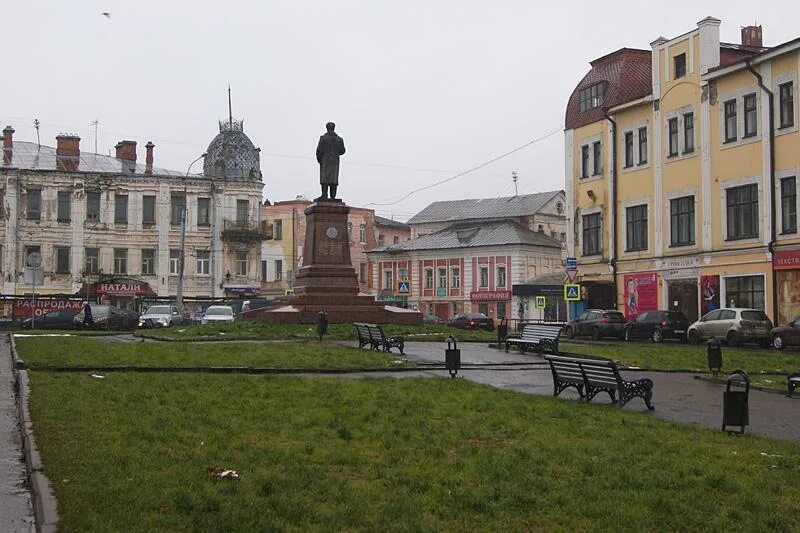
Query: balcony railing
[246,232]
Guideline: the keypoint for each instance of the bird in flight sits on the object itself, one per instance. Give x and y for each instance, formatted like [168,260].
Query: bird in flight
[106,14]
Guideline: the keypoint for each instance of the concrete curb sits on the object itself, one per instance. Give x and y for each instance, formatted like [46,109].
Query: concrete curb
[45,505]
[249,339]
[719,381]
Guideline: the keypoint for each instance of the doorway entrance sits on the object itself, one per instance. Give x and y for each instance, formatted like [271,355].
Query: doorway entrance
[682,296]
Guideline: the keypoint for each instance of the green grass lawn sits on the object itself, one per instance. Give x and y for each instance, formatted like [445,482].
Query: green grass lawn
[674,356]
[130,453]
[76,351]
[256,330]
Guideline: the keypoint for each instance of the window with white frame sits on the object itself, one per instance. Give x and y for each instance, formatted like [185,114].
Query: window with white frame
[585,161]
[203,262]
[591,234]
[362,273]
[788,205]
[681,213]
[455,277]
[402,273]
[501,276]
[688,133]
[597,158]
[483,272]
[729,110]
[442,275]
[628,149]
[381,239]
[786,104]
[636,228]
[120,260]
[240,263]
[750,115]
[672,127]
[742,212]
[174,262]
[642,146]
[362,233]
[745,291]
[148,262]
[278,269]
[92,261]
[387,280]
[428,278]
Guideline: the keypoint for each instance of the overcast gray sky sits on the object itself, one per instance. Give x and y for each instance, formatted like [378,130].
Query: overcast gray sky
[420,89]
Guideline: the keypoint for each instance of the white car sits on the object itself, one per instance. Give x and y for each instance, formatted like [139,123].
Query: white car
[162,316]
[216,314]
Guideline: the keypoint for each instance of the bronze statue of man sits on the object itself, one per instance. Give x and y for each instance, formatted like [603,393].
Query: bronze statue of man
[329,149]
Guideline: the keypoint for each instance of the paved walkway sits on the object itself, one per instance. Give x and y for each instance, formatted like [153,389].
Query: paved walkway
[16,513]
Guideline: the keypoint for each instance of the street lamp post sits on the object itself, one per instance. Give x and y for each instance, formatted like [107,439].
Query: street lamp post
[182,258]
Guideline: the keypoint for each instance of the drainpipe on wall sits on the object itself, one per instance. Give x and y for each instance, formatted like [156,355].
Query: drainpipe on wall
[613,211]
[773,217]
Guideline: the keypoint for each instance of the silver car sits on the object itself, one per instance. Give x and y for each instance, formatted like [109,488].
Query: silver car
[160,316]
[734,325]
[218,313]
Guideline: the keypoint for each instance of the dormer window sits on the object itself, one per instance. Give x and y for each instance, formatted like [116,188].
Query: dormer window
[680,66]
[591,97]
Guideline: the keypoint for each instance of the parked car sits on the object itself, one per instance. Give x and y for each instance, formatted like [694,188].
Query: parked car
[432,319]
[107,317]
[53,320]
[597,323]
[734,325]
[160,316]
[471,321]
[217,313]
[788,335]
[657,326]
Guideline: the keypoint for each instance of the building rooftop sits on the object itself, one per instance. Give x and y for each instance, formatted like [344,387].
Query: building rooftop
[389,223]
[484,208]
[497,233]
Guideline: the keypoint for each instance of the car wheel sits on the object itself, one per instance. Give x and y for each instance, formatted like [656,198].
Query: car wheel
[733,339]
[569,332]
[595,334]
[657,336]
[778,342]
[628,335]
[693,338]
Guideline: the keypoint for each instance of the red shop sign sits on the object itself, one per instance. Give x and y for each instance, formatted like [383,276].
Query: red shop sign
[489,295]
[27,308]
[787,260]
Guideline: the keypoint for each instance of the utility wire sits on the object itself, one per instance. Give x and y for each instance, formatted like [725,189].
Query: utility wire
[473,169]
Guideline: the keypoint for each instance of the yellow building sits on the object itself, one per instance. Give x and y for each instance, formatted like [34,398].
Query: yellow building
[671,154]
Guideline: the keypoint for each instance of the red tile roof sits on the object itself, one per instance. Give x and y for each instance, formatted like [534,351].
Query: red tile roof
[627,75]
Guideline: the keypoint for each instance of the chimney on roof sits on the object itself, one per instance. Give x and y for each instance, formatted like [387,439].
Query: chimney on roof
[752,37]
[8,144]
[126,150]
[68,151]
[148,159]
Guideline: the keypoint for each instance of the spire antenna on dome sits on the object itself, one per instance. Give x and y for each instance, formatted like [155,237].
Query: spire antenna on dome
[230,108]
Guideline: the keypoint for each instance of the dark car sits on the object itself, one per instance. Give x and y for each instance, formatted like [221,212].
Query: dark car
[471,321]
[432,319]
[657,326]
[53,320]
[788,335]
[107,317]
[597,323]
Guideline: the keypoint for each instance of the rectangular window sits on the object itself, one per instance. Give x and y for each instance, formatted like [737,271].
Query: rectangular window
[789,205]
[120,261]
[92,262]
[120,209]
[387,280]
[591,97]
[278,270]
[174,262]
[642,146]
[483,309]
[636,230]
[381,239]
[28,251]
[64,206]
[148,262]
[562,237]
[501,310]
[177,205]
[597,161]
[362,273]
[93,205]
[242,209]
[277,229]
[628,149]
[442,275]
[585,161]
[681,212]
[402,273]
[688,133]
[750,115]
[673,136]
[455,277]
[742,211]
[786,96]
[148,209]
[730,121]
[591,234]
[362,233]
[501,275]
[395,239]
[62,260]
[204,211]
[680,66]
[203,262]
[241,265]
[263,271]
[34,204]
[428,278]
[349,232]
[484,277]
[745,291]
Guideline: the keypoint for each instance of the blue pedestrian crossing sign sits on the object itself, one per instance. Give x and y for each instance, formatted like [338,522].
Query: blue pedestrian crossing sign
[572,292]
[403,287]
[541,302]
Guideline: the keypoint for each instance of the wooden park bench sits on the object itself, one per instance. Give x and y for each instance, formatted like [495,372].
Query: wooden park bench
[540,337]
[373,335]
[592,376]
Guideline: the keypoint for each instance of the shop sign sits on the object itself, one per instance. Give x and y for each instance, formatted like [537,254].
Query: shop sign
[489,295]
[27,308]
[120,289]
[243,291]
[787,260]
[678,263]
[681,273]
[641,294]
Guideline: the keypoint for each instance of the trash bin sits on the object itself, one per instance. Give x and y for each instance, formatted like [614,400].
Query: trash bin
[714,351]
[452,357]
[502,331]
[735,403]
